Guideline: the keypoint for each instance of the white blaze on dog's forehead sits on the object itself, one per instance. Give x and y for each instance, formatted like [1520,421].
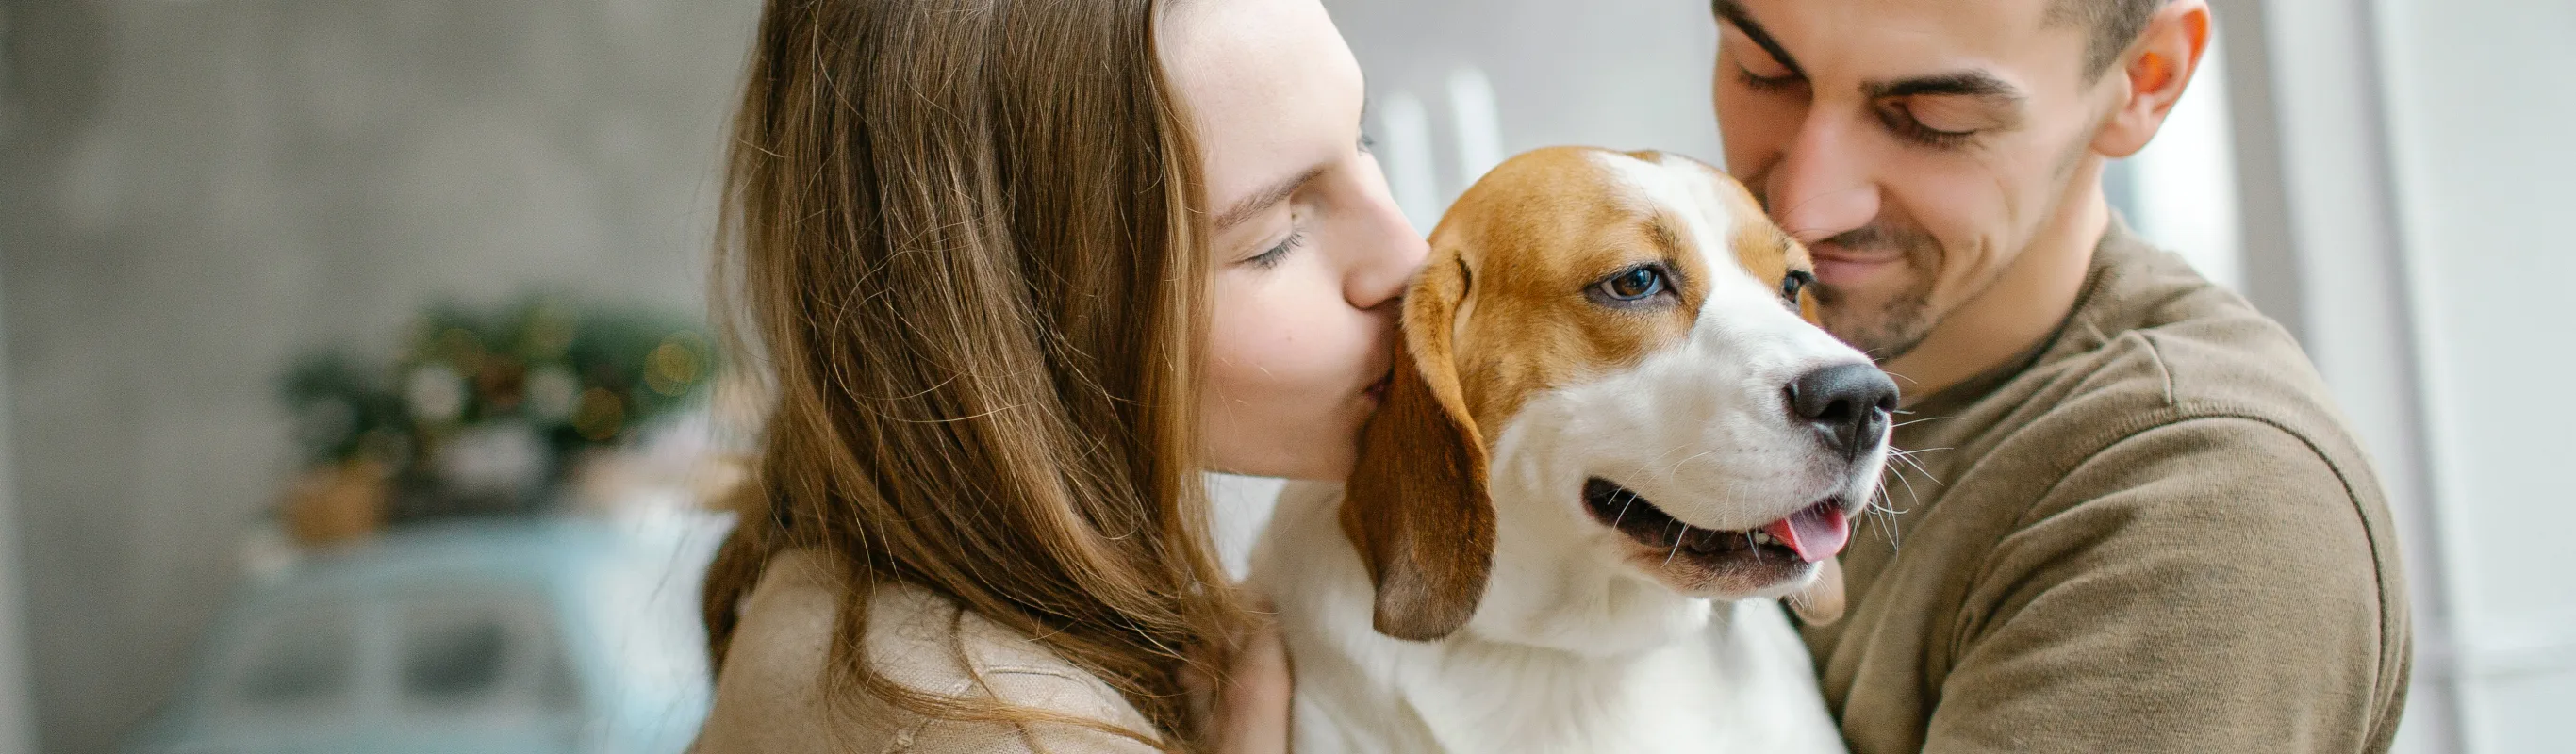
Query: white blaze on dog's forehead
[1685,193]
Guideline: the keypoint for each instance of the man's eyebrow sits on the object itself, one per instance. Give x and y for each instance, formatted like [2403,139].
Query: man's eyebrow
[1978,84]
[1732,12]
[1266,198]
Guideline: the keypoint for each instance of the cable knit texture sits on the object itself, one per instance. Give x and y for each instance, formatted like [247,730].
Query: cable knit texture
[770,698]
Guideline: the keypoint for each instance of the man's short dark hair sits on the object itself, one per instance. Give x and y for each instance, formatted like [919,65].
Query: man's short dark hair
[2114,24]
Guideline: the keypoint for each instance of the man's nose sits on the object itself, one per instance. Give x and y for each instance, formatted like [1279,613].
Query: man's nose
[1820,188]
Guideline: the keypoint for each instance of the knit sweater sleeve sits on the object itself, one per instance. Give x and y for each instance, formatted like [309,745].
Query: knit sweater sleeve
[2205,585]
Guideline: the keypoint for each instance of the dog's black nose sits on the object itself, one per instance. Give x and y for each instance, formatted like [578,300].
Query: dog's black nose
[1848,404]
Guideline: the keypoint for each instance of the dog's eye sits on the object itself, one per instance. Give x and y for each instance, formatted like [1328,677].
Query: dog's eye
[1794,283]
[1634,284]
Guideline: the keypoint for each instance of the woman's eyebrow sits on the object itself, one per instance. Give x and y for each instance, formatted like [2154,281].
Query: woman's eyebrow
[1733,13]
[1266,198]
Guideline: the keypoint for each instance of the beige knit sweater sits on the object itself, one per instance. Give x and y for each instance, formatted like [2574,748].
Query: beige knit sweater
[770,698]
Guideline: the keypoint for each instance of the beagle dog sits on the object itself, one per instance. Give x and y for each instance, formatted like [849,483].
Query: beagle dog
[1611,437]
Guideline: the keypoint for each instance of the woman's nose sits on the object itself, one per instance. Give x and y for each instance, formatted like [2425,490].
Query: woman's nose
[1821,187]
[1389,253]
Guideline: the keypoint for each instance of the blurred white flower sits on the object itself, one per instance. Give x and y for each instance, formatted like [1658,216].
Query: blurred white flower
[552,391]
[436,392]
[494,458]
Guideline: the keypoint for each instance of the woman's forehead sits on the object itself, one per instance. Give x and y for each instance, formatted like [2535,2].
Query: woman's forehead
[1269,85]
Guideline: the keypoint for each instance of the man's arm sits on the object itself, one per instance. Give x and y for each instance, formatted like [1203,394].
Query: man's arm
[2203,586]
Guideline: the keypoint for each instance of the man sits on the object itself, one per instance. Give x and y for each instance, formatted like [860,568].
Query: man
[2137,524]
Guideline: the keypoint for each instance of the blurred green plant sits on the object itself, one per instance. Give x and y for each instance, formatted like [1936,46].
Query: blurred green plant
[578,376]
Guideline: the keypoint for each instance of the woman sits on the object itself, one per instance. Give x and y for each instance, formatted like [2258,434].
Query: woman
[1022,270]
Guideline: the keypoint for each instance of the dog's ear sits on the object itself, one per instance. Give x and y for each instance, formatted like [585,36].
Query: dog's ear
[1416,505]
[1821,603]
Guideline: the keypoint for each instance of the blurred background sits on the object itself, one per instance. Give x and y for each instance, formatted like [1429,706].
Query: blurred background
[356,376]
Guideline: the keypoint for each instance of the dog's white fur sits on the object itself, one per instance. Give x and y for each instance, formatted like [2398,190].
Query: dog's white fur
[1574,647]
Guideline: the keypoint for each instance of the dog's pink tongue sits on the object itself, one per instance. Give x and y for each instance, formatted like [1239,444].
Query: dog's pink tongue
[1815,533]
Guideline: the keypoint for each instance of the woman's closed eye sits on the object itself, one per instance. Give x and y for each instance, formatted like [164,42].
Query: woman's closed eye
[1277,253]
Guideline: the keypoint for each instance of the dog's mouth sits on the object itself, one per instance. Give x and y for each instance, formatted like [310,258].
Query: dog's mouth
[1811,534]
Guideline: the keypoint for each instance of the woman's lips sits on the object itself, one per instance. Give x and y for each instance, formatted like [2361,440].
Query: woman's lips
[1377,390]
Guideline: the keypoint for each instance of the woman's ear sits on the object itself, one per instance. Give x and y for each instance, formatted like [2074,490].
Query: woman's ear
[2155,71]
[1416,505]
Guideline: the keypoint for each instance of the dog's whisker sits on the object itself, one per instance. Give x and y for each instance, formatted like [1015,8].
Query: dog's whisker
[1917,452]
[1888,497]
[1903,424]
[1677,545]
[1900,479]
[1659,457]
[1909,458]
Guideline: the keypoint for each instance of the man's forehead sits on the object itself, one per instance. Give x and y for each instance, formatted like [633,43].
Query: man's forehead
[1877,40]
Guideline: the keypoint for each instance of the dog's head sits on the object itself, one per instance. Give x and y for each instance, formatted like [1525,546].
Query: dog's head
[1610,355]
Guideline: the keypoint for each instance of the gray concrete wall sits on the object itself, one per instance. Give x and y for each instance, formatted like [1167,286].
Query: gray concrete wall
[192,191]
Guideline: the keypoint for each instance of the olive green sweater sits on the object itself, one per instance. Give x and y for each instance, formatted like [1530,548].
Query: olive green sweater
[2152,533]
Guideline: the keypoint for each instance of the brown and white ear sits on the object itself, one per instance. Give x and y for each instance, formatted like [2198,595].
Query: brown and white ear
[1416,505]
[1821,603]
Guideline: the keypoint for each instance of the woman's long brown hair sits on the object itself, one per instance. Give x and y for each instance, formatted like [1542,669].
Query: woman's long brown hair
[962,238]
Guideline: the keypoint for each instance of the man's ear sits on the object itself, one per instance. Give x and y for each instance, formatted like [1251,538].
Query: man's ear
[2155,70]
[1416,505]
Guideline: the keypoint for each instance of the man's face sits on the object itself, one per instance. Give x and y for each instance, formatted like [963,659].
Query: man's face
[1917,146]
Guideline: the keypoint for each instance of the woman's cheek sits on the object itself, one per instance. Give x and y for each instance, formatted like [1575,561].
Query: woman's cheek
[1273,342]
[1283,378]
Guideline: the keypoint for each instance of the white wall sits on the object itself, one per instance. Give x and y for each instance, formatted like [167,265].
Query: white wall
[1455,85]
[2479,96]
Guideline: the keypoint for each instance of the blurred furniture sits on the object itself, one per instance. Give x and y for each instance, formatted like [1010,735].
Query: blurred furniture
[493,636]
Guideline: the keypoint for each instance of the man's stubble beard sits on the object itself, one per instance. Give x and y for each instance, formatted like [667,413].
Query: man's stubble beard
[1884,335]
[1895,327]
